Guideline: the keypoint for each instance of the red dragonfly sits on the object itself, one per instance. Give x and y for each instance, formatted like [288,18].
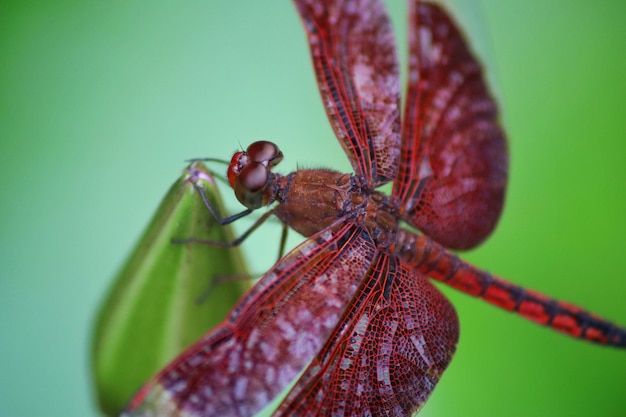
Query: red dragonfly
[349,316]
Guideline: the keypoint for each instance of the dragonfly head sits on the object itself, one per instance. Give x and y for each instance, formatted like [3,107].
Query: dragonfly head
[249,172]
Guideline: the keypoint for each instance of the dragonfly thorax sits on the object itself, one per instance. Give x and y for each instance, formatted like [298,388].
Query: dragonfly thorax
[311,200]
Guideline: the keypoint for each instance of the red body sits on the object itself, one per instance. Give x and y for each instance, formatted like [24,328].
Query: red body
[350,312]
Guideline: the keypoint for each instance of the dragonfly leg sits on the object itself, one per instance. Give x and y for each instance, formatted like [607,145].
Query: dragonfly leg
[283,241]
[232,243]
[222,221]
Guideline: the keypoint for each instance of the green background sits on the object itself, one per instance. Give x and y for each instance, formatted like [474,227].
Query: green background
[101,101]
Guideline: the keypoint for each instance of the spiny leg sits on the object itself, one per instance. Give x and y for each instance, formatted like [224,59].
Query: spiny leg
[232,243]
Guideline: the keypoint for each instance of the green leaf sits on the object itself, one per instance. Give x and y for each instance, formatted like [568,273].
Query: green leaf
[167,295]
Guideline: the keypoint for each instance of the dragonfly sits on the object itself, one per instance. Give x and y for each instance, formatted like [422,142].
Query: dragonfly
[348,322]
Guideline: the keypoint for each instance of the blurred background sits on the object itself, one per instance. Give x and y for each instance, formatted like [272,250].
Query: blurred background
[101,103]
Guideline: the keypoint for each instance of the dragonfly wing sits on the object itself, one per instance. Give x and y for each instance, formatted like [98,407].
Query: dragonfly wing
[453,170]
[387,354]
[354,57]
[269,337]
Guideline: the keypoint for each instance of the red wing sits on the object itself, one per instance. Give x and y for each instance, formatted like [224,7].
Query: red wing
[270,336]
[388,352]
[354,57]
[453,170]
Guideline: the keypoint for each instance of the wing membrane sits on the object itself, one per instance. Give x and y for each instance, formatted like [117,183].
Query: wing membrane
[454,163]
[387,354]
[354,58]
[269,337]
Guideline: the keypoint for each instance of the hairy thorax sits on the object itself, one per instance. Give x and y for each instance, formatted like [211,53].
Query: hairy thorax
[311,200]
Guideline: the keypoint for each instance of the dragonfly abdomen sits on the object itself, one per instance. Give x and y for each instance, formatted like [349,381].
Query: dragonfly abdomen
[435,261]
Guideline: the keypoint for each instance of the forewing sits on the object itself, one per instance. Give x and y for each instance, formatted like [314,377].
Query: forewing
[454,163]
[269,337]
[387,354]
[354,57]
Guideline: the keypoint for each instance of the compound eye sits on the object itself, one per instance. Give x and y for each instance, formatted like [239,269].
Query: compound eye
[251,184]
[253,176]
[265,152]
[237,163]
